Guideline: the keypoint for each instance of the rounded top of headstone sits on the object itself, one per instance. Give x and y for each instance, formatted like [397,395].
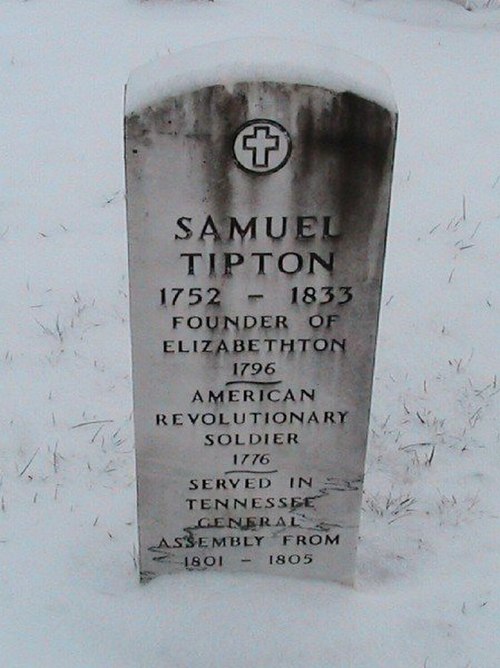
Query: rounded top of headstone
[256,59]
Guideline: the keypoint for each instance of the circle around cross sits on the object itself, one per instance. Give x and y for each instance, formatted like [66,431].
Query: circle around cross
[261,146]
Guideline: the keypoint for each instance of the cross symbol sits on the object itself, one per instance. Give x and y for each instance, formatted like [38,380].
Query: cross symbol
[261,143]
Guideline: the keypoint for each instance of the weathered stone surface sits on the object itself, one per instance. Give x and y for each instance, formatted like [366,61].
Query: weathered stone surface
[257,217]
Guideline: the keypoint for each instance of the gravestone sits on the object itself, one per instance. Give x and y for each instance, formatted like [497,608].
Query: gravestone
[258,183]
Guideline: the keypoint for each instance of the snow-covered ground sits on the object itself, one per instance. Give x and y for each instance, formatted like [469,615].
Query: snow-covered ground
[427,593]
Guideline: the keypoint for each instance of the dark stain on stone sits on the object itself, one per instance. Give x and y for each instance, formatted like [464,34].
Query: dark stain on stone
[164,118]
[222,111]
[349,141]
[364,147]
[205,121]
[215,115]
[307,137]
[136,130]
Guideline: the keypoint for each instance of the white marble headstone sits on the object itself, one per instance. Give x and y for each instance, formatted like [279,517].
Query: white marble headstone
[257,196]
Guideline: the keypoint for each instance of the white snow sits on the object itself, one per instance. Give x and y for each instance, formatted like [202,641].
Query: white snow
[440,13]
[257,59]
[427,592]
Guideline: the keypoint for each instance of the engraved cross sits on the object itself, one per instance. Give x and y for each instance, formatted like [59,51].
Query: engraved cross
[261,143]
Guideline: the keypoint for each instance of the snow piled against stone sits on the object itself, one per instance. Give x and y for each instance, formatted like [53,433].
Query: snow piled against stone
[256,59]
